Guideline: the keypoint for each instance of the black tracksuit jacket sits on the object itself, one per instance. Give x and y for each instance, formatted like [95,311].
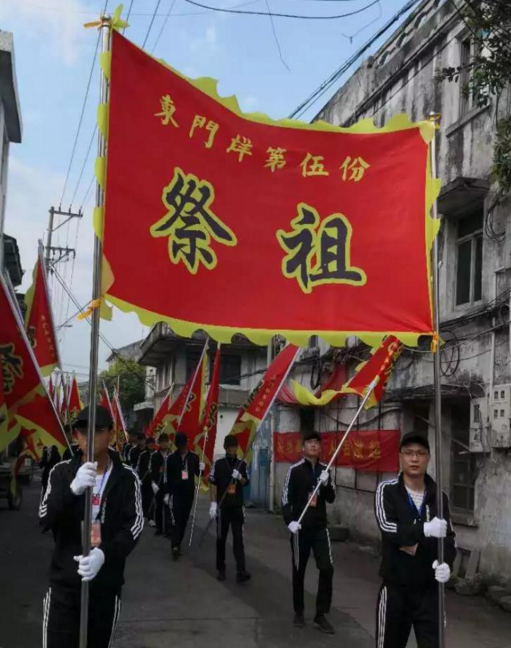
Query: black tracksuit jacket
[159,467]
[176,486]
[133,455]
[402,525]
[221,477]
[121,523]
[143,467]
[301,480]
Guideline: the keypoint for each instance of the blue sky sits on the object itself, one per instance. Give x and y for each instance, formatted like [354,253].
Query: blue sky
[53,61]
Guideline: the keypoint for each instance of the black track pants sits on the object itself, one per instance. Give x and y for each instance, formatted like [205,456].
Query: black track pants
[317,541]
[181,508]
[400,609]
[61,618]
[230,517]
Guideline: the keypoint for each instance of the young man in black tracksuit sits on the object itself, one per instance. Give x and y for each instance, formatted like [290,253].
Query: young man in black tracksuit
[50,458]
[135,452]
[406,513]
[128,446]
[227,479]
[183,466]
[159,461]
[312,533]
[117,524]
[143,470]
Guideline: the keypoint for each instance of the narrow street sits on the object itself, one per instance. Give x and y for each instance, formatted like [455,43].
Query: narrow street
[168,603]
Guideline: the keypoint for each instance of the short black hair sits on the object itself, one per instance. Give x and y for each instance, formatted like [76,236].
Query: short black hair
[181,440]
[163,437]
[309,436]
[230,441]
[149,440]
[414,437]
[140,437]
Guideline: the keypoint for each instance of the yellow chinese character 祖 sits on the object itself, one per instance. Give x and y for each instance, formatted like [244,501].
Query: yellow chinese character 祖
[168,109]
[357,167]
[190,224]
[319,253]
[199,122]
[312,165]
[276,159]
[240,145]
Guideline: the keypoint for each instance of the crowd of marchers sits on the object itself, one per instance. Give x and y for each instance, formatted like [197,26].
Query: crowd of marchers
[145,484]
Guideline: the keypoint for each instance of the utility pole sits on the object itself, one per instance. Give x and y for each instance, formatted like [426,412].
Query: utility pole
[64,252]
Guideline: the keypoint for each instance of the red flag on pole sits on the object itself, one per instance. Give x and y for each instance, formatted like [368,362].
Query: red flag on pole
[27,400]
[39,320]
[261,399]
[121,434]
[105,401]
[75,404]
[191,419]
[159,424]
[205,441]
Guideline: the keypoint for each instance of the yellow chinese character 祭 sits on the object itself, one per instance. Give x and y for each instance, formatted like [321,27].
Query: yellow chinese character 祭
[190,224]
[276,159]
[356,168]
[12,366]
[212,127]
[168,109]
[374,450]
[240,145]
[317,253]
[312,165]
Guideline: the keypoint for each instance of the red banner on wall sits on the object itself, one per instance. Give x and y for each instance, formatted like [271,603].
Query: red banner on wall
[364,450]
[260,226]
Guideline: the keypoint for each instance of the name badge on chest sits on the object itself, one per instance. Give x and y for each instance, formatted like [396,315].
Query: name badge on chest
[314,500]
[95,533]
[184,474]
[231,489]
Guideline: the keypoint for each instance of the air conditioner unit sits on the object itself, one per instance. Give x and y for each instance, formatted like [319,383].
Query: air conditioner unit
[500,416]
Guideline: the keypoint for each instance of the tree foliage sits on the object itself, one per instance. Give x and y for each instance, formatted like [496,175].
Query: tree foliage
[131,378]
[488,72]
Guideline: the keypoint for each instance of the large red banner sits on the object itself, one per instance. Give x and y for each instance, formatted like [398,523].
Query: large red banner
[246,224]
[364,450]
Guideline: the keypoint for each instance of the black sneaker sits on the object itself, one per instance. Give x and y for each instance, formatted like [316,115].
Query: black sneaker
[321,623]
[242,577]
[158,532]
[299,620]
[176,553]
[220,576]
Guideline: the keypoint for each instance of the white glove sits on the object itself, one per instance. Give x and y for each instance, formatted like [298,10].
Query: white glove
[166,500]
[294,527]
[202,466]
[89,566]
[324,477]
[155,488]
[437,528]
[236,475]
[84,478]
[212,510]
[442,571]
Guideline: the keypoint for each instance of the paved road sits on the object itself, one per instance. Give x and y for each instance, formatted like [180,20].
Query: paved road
[182,604]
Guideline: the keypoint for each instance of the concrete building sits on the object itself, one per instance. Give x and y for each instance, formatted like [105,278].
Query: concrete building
[475,277]
[10,132]
[174,358]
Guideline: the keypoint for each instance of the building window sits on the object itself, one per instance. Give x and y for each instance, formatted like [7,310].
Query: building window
[230,366]
[469,269]
[313,341]
[465,57]
[230,369]
[463,462]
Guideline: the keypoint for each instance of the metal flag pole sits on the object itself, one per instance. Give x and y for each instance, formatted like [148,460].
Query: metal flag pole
[105,35]
[370,390]
[435,119]
[197,489]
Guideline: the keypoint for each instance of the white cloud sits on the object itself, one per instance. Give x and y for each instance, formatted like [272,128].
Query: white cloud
[59,27]
[208,42]
[249,104]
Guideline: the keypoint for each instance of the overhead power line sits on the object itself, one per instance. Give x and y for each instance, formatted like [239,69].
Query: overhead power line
[327,84]
[283,15]
[151,23]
